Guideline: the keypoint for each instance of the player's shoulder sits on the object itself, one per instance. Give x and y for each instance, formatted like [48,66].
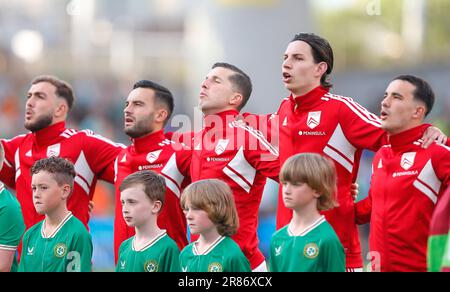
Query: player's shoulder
[439,152]
[9,205]
[76,227]
[17,139]
[126,244]
[34,230]
[280,233]
[333,98]
[187,250]
[441,148]
[327,233]
[167,240]
[229,246]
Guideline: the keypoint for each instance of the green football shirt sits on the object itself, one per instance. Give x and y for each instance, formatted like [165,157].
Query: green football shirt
[224,255]
[67,249]
[159,255]
[438,254]
[12,226]
[317,249]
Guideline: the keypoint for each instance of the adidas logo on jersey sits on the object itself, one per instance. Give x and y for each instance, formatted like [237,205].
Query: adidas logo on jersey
[407,160]
[313,119]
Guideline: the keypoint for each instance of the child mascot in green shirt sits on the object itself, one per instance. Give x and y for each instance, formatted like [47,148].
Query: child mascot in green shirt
[211,213]
[59,243]
[308,243]
[151,249]
[12,226]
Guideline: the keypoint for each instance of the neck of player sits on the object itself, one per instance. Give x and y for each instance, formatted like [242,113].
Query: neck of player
[54,217]
[304,216]
[147,232]
[207,238]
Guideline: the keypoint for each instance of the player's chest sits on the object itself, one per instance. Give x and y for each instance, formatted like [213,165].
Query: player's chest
[29,153]
[215,152]
[154,160]
[50,253]
[205,263]
[316,126]
[140,262]
[406,173]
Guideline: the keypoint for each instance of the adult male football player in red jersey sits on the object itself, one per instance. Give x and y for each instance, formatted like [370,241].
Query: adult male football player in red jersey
[407,180]
[313,120]
[49,101]
[147,110]
[230,150]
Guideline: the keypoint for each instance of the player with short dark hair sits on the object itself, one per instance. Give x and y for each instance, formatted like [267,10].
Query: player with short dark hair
[59,243]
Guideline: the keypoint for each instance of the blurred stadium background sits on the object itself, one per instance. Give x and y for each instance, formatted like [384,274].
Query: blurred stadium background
[103,46]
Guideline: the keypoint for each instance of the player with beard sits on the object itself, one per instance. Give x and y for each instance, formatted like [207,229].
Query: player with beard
[49,101]
[147,109]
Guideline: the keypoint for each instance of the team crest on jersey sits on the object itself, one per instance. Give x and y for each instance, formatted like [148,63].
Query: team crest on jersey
[151,266]
[184,269]
[221,146]
[215,267]
[313,119]
[53,150]
[122,265]
[311,251]
[60,250]
[153,156]
[408,160]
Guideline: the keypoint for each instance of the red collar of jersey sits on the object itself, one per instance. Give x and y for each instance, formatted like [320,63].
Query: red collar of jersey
[308,101]
[224,117]
[148,142]
[404,141]
[49,134]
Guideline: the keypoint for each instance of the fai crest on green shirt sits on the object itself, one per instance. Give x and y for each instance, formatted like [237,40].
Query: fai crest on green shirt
[60,250]
[311,251]
[151,266]
[215,267]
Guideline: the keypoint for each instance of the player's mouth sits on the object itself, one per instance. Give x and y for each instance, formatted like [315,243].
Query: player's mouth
[383,115]
[28,114]
[203,94]
[287,77]
[128,219]
[128,121]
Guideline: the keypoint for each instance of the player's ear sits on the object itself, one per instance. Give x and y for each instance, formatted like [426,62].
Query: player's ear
[161,115]
[321,69]
[236,100]
[67,190]
[61,109]
[419,112]
[157,205]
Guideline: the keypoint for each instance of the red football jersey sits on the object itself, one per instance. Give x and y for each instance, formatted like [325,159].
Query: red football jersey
[91,154]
